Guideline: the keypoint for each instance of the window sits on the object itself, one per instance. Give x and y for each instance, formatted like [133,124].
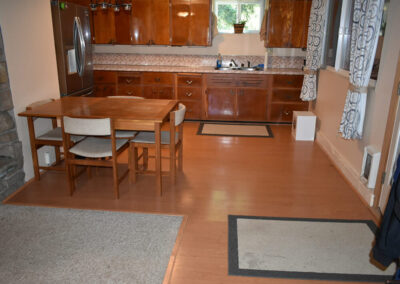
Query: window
[338,46]
[230,12]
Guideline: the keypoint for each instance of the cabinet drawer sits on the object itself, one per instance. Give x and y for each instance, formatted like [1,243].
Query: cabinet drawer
[288,81]
[158,92]
[189,80]
[104,90]
[158,78]
[104,76]
[128,90]
[193,109]
[189,93]
[220,80]
[129,79]
[284,112]
[254,81]
[286,95]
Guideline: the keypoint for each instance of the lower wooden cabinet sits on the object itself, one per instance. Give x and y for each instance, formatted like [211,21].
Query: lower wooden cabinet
[224,97]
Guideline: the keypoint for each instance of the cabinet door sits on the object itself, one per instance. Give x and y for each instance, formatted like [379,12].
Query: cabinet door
[251,104]
[104,90]
[103,26]
[165,92]
[301,14]
[220,103]
[160,22]
[150,92]
[141,22]
[123,27]
[180,20]
[200,19]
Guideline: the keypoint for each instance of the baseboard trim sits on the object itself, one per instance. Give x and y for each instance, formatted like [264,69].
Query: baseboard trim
[344,167]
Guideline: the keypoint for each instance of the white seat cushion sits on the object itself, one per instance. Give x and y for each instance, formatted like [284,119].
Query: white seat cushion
[93,147]
[125,133]
[56,135]
[149,137]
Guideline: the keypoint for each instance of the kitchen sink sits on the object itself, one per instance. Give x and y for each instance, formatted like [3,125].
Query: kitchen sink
[238,68]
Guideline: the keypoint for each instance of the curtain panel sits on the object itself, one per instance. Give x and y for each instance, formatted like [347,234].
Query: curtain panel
[364,39]
[315,46]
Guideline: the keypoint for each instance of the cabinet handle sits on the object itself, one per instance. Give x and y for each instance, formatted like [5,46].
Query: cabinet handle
[129,93]
[286,112]
[128,81]
[189,82]
[189,94]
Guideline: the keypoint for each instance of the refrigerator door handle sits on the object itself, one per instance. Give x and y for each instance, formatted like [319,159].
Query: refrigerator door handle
[79,46]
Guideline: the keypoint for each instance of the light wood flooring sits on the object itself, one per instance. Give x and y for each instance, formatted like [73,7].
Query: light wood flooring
[222,175]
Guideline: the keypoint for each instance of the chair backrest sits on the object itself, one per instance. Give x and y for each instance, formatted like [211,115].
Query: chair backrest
[87,126]
[180,114]
[39,103]
[125,97]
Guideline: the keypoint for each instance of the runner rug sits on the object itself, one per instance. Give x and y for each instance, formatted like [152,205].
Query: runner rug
[321,249]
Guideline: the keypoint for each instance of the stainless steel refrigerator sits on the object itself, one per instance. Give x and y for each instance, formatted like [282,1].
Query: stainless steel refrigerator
[71,26]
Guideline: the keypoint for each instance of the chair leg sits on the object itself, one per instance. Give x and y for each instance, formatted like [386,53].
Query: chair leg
[172,163]
[132,162]
[58,154]
[89,171]
[180,157]
[71,179]
[145,158]
[115,178]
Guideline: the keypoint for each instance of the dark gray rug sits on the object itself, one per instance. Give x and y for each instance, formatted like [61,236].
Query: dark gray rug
[47,245]
[323,249]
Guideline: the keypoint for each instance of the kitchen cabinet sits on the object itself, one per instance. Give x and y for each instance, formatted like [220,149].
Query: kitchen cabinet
[103,31]
[190,20]
[189,92]
[104,83]
[129,84]
[123,27]
[285,97]
[150,22]
[158,85]
[236,97]
[287,23]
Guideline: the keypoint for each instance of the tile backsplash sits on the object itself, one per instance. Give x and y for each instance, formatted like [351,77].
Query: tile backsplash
[295,62]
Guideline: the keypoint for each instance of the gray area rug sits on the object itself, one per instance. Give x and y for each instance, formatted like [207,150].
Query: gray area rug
[48,245]
[323,249]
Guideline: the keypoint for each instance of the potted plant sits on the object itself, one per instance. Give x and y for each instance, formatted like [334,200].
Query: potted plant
[238,27]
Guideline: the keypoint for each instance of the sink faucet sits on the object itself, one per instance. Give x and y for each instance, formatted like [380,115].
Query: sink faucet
[234,63]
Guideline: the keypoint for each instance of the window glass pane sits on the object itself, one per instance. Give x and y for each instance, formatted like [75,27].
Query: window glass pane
[227,15]
[345,38]
[333,32]
[251,13]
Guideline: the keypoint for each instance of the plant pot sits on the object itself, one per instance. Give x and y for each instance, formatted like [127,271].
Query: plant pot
[238,28]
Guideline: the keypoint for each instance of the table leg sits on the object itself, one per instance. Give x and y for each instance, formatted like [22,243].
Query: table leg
[32,137]
[157,130]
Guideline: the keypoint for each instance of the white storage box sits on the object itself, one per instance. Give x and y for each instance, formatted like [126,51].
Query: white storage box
[303,126]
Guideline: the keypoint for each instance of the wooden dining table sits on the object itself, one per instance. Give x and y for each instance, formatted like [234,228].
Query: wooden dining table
[127,114]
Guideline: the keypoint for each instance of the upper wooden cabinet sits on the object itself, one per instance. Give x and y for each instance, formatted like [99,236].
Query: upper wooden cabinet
[103,26]
[150,22]
[190,21]
[287,23]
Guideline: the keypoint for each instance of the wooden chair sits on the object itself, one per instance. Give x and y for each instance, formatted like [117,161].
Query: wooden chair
[146,139]
[98,149]
[125,133]
[52,137]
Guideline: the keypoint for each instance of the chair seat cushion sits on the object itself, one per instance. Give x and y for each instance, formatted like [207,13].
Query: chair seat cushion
[125,133]
[56,135]
[149,137]
[93,147]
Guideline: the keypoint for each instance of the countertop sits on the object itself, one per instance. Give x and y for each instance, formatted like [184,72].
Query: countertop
[190,69]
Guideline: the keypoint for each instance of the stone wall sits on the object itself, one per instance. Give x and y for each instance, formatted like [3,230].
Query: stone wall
[11,159]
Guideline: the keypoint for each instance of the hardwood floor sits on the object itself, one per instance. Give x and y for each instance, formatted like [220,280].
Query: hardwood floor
[222,175]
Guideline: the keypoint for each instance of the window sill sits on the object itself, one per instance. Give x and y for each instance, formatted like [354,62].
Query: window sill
[345,73]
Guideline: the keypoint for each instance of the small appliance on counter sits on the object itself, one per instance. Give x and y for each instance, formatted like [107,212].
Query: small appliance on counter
[72,38]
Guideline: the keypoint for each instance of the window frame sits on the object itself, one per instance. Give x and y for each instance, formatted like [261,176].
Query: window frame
[238,3]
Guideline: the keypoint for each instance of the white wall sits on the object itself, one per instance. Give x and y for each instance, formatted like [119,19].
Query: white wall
[332,88]
[30,53]
[225,44]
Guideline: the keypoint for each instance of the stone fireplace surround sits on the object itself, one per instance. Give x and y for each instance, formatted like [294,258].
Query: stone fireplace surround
[11,159]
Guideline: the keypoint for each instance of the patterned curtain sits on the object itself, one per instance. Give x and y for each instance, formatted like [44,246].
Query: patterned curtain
[364,39]
[315,45]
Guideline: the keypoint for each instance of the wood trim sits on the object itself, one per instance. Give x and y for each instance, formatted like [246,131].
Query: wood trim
[393,107]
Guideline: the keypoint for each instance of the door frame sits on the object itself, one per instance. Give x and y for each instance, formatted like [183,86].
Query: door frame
[387,141]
